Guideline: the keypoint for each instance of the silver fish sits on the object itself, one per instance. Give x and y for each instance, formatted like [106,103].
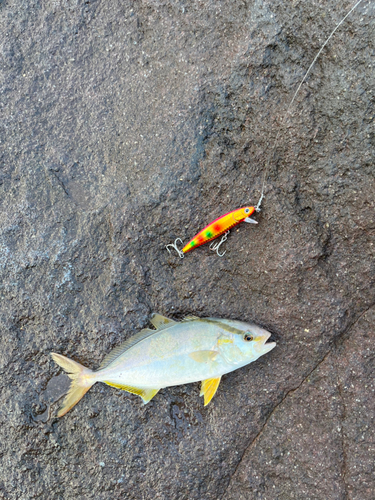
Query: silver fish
[175,353]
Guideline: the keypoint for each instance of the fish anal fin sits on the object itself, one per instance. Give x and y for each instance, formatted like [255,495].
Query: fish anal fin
[161,322]
[209,388]
[127,388]
[148,394]
[203,356]
[145,394]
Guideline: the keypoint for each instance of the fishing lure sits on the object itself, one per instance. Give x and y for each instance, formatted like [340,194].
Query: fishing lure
[215,229]
[192,350]
[224,223]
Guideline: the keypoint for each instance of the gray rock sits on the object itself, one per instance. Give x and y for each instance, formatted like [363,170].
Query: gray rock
[127,124]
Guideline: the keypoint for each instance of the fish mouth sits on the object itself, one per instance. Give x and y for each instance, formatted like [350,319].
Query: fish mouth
[262,346]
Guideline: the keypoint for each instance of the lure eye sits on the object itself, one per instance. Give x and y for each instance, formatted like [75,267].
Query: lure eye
[248,337]
[247,210]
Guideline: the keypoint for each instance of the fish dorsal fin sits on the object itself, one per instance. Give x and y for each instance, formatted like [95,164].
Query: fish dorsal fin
[161,322]
[209,388]
[145,394]
[117,351]
[203,356]
[190,318]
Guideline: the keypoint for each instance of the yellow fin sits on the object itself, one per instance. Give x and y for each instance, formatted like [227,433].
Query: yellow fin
[161,322]
[148,394]
[145,394]
[209,388]
[82,380]
[203,356]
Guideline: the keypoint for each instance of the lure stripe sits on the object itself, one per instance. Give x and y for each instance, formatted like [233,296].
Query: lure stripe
[218,227]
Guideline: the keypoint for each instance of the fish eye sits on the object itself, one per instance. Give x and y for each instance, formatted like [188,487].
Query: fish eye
[247,210]
[248,337]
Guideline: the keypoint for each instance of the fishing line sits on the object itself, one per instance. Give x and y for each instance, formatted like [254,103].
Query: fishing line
[273,149]
[223,224]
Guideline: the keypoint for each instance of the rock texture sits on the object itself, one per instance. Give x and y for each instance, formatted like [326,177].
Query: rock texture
[127,124]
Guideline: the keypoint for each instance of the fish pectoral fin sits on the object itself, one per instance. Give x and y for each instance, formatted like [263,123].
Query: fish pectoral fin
[209,388]
[145,394]
[203,356]
[161,322]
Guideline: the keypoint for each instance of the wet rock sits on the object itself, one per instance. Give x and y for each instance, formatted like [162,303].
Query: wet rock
[126,125]
[318,442]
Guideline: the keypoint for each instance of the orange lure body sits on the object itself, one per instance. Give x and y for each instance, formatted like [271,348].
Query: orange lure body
[219,226]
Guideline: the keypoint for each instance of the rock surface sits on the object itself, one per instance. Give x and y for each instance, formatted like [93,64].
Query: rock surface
[127,124]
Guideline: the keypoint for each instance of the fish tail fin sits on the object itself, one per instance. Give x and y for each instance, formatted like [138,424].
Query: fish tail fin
[82,379]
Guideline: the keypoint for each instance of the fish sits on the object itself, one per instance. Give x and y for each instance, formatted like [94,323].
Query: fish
[216,228]
[174,353]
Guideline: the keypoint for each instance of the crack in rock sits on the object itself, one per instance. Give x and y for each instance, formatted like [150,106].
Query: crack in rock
[293,390]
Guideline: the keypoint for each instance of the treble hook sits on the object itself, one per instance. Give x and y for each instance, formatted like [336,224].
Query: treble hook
[215,246]
[174,246]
